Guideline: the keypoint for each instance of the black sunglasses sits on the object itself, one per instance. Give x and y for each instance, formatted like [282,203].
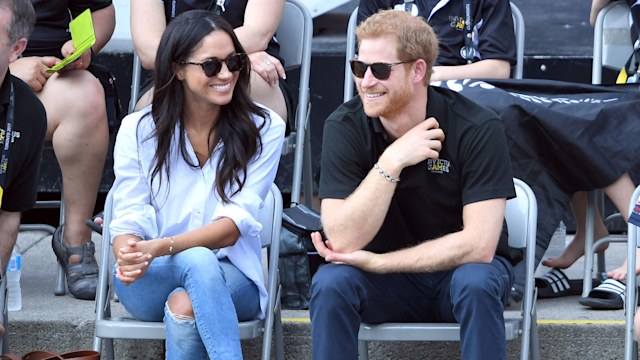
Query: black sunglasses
[212,67]
[380,70]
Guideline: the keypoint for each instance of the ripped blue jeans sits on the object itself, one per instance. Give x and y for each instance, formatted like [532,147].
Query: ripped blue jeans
[220,295]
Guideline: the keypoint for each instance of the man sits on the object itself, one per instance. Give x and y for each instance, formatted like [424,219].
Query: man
[77,125]
[23,125]
[483,48]
[413,186]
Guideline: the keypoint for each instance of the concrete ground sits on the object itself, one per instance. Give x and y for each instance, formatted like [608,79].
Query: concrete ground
[568,330]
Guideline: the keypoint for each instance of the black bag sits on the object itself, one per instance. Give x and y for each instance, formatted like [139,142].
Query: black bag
[298,258]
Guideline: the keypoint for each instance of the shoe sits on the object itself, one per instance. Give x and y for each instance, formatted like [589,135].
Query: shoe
[607,296]
[555,284]
[82,277]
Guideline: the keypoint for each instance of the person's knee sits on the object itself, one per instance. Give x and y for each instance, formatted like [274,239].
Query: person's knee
[334,283]
[479,281]
[77,95]
[179,305]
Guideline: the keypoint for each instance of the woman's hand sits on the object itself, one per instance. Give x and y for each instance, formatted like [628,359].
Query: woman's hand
[133,260]
[81,63]
[267,66]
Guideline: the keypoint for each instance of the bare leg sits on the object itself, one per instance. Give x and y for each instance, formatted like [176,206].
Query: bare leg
[636,324]
[575,249]
[620,193]
[78,129]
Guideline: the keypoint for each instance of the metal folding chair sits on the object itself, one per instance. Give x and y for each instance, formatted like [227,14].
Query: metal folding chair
[631,346]
[518,27]
[521,214]
[611,48]
[108,328]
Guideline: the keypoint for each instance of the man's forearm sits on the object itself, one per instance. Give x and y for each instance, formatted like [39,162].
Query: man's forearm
[352,223]
[9,226]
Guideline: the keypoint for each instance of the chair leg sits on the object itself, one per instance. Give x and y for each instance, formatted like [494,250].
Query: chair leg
[363,350]
[278,336]
[60,282]
[535,340]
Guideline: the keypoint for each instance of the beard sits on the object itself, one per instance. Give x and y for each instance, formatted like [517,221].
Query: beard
[393,103]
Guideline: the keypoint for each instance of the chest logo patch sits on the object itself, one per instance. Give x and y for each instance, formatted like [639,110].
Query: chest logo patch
[438,166]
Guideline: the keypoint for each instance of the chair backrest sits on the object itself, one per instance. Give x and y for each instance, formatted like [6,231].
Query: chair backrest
[270,216]
[521,214]
[611,39]
[518,27]
[295,35]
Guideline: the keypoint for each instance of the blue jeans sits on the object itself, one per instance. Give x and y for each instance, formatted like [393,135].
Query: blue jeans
[220,296]
[342,296]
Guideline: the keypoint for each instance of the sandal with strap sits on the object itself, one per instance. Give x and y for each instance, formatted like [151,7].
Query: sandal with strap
[555,283]
[82,277]
[93,225]
[607,296]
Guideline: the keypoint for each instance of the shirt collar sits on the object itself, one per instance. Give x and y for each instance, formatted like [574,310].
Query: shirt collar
[4,89]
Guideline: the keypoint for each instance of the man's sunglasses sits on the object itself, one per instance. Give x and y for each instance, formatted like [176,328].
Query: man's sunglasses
[380,70]
[212,67]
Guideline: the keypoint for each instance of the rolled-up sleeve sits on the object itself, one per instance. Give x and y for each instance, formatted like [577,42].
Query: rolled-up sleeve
[261,172]
[132,210]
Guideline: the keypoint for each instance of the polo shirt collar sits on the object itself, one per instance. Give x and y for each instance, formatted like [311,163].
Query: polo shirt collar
[4,90]
[435,108]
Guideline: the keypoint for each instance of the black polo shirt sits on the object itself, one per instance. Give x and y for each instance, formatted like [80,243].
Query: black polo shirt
[473,166]
[492,20]
[52,24]
[29,129]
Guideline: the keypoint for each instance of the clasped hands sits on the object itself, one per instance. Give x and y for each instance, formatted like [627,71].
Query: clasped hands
[133,260]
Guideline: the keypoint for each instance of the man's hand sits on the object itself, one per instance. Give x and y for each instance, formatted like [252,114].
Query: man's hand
[361,259]
[267,66]
[80,63]
[32,70]
[423,141]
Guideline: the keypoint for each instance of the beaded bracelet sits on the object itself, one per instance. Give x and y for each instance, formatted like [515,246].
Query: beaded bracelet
[385,175]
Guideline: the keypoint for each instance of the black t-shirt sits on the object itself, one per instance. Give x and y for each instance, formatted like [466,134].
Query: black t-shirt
[29,129]
[233,13]
[473,166]
[52,24]
[492,20]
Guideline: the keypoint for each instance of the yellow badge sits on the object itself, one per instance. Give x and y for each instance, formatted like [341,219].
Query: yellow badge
[1,193]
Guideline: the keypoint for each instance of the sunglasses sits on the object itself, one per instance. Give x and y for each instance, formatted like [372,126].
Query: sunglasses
[380,71]
[212,67]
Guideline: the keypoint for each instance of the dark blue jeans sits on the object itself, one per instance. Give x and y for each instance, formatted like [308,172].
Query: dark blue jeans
[473,295]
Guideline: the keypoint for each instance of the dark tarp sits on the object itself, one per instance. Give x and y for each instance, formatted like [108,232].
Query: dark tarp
[563,137]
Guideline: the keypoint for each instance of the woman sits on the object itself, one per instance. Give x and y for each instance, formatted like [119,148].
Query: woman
[255,23]
[191,172]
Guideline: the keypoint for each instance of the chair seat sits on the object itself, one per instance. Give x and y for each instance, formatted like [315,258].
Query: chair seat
[426,331]
[123,327]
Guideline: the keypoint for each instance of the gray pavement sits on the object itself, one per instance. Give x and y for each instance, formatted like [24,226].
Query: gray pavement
[61,323]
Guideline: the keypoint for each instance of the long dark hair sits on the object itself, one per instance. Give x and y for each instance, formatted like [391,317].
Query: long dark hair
[234,129]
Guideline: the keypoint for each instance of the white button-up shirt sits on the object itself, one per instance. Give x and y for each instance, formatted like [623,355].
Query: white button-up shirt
[188,199]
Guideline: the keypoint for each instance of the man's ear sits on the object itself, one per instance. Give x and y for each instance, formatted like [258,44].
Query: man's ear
[420,69]
[17,48]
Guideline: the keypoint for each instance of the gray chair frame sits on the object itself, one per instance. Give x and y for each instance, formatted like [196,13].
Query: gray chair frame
[612,47]
[631,345]
[518,27]
[108,328]
[521,214]
[295,35]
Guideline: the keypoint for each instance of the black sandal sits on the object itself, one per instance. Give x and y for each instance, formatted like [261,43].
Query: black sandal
[82,277]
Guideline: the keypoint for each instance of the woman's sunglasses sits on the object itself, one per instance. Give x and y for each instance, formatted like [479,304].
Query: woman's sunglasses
[212,67]
[380,70]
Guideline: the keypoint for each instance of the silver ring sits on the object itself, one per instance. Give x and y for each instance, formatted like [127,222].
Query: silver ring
[268,62]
